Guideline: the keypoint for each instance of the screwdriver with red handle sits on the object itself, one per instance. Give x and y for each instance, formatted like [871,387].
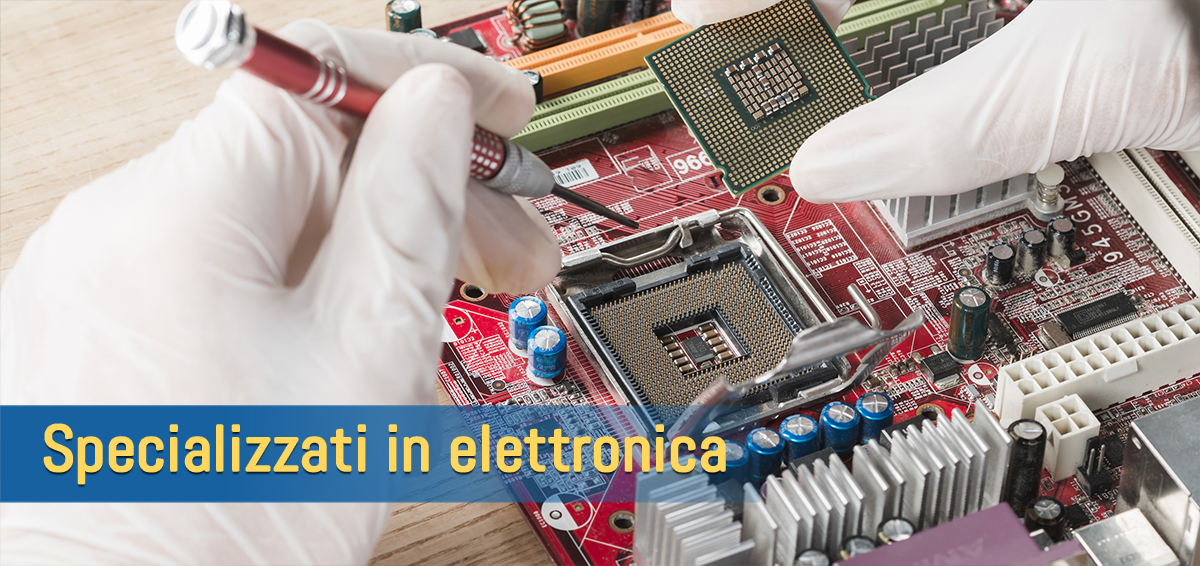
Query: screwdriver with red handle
[215,34]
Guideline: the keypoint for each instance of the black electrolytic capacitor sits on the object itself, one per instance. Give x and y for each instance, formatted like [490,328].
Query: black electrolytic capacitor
[968,323]
[403,15]
[1046,513]
[1025,469]
[1061,232]
[594,16]
[535,79]
[1000,261]
[1031,251]
[641,9]
[570,9]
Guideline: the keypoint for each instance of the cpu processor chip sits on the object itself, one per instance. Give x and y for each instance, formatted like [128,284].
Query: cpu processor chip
[767,82]
[752,89]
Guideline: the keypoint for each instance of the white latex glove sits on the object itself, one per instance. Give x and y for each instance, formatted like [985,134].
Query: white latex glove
[1063,80]
[703,12]
[192,276]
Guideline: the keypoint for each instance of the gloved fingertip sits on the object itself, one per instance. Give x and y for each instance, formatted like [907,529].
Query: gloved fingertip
[702,12]
[433,78]
[546,256]
[808,181]
[514,101]
[833,10]
[689,14]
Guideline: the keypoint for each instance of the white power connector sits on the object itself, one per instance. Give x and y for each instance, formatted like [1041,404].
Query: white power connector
[1106,367]
[1069,424]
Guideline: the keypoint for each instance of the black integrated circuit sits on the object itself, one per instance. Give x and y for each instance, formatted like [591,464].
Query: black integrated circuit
[940,366]
[697,349]
[998,331]
[468,38]
[723,291]
[1097,315]
[1074,516]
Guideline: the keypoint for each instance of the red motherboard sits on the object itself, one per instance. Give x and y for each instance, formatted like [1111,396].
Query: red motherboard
[654,171]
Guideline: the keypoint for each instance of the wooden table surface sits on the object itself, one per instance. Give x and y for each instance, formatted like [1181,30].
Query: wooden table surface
[87,86]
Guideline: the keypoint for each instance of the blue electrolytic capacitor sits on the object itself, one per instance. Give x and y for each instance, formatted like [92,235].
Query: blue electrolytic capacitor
[547,355]
[876,412]
[766,452]
[800,436]
[524,314]
[736,459]
[839,426]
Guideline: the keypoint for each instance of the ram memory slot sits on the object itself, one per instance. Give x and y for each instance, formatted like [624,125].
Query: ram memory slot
[603,55]
[593,110]
[877,16]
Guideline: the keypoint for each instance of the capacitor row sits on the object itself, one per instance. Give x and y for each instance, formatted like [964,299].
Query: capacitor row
[530,337]
[841,428]
[971,305]
[1029,254]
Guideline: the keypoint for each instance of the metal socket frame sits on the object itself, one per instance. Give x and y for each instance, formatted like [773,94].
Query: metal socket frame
[681,239]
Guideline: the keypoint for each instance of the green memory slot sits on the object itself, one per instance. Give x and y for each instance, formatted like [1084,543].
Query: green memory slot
[593,109]
[868,18]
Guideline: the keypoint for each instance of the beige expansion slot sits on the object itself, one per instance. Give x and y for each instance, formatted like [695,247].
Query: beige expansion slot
[1157,205]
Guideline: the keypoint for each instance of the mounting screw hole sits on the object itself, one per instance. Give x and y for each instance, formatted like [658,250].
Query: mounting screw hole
[771,195]
[931,411]
[473,293]
[621,521]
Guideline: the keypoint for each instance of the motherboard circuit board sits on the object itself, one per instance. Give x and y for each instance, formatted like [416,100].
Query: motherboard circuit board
[653,170]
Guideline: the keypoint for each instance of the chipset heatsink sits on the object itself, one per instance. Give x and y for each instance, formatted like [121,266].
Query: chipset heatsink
[752,89]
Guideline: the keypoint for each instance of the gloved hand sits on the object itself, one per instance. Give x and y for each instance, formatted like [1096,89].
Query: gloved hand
[251,260]
[1063,80]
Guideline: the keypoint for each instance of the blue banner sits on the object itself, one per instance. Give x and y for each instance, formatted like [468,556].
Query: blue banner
[327,453]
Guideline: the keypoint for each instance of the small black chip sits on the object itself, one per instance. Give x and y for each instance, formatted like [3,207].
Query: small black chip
[468,38]
[697,349]
[1097,315]
[1074,516]
[998,331]
[1076,257]
[940,366]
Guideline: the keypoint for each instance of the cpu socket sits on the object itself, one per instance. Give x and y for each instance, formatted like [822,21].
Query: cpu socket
[665,312]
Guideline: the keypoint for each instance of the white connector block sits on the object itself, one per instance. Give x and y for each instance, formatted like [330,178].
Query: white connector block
[1069,424]
[1106,367]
